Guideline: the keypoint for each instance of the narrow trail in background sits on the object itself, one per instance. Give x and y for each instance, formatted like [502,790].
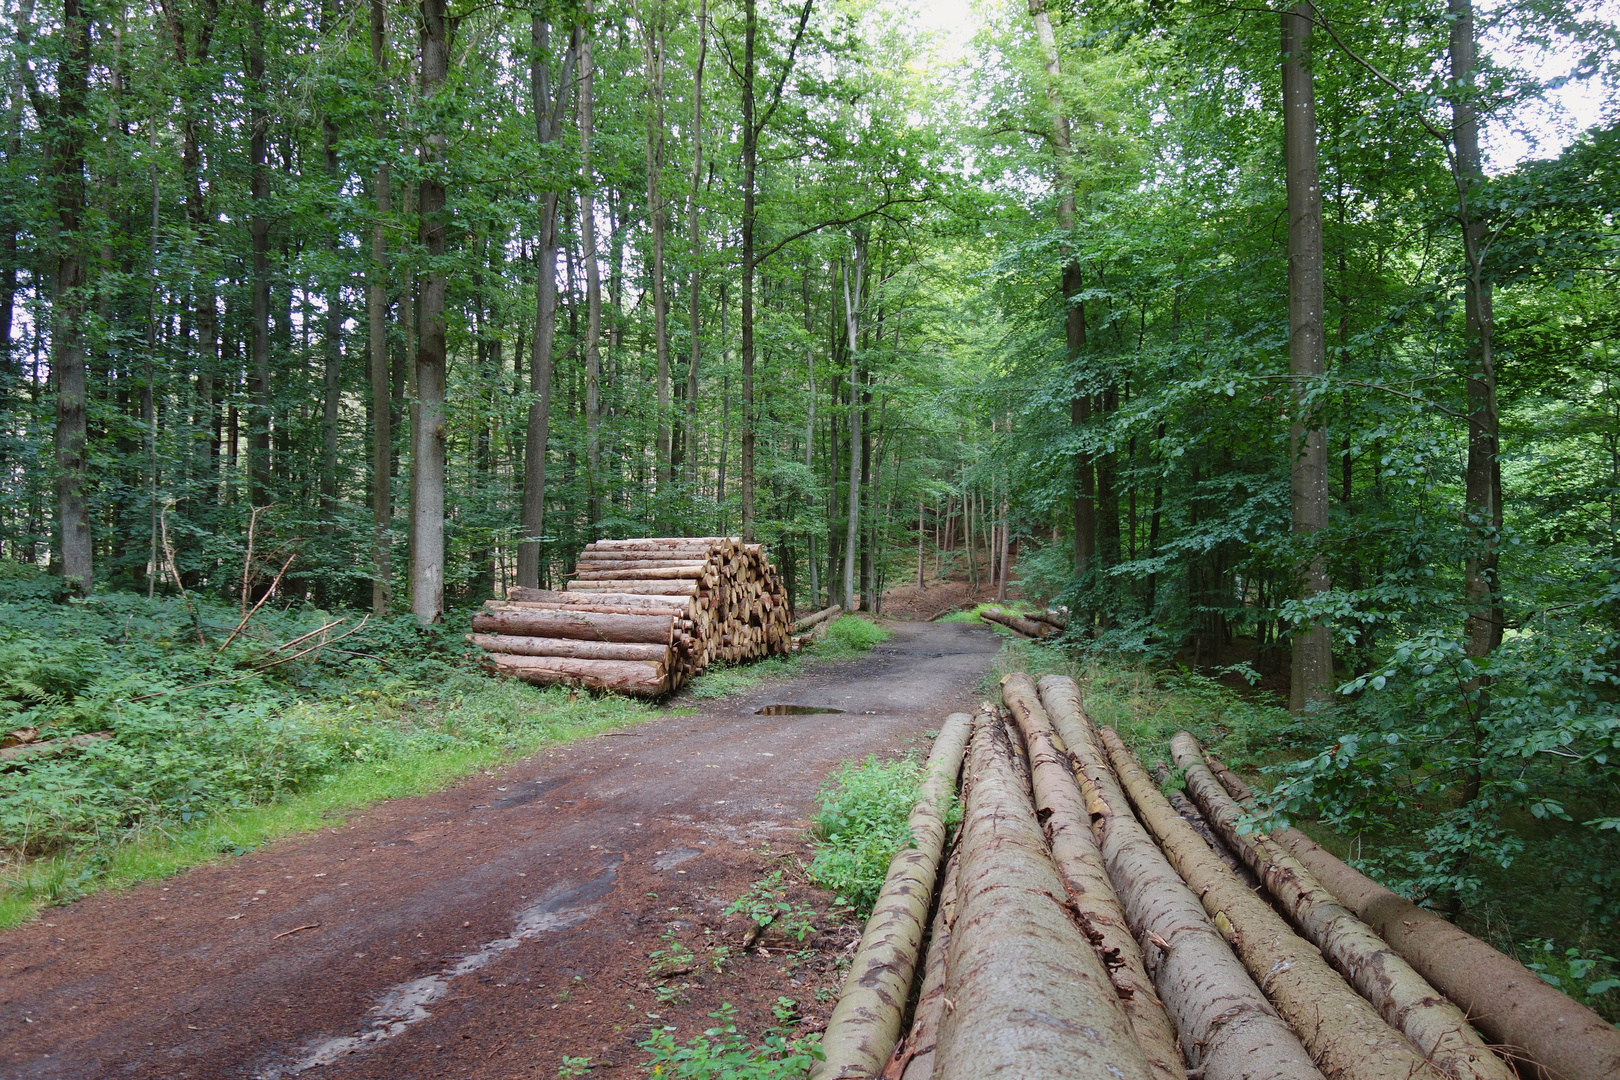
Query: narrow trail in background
[479,932]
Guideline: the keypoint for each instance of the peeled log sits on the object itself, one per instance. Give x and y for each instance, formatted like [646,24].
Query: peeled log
[584,626]
[1228,1030]
[1403,996]
[1546,1032]
[865,1024]
[1029,998]
[579,650]
[923,1041]
[1346,1037]
[1080,861]
[625,676]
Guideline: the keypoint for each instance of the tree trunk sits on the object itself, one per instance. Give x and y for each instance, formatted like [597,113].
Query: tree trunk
[852,300]
[548,107]
[653,34]
[68,302]
[922,1042]
[1483,478]
[750,155]
[382,428]
[1228,1030]
[1311,677]
[1343,1032]
[428,438]
[331,346]
[1029,996]
[259,228]
[1067,824]
[694,293]
[593,282]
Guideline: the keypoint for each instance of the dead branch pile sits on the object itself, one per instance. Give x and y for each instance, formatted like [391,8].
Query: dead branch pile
[1083,926]
[641,616]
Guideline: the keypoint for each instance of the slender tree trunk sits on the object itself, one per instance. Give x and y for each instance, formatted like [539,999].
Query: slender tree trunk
[68,303]
[694,294]
[593,283]
[259,230]
[548,107]
[382,507]
[856,439]
[1312,668]
[653,46]
[1483,480]
[332,350]
[750,153]
[428,437]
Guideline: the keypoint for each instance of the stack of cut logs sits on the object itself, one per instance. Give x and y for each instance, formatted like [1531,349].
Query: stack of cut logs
[641,616]
[1084,924]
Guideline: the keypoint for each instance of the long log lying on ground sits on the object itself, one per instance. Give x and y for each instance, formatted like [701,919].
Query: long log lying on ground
[654,629]
[824,615]
[1016,623]
[1057,620]
[1403,997]
[915,1061]
[1346,1037]
[1228,1030]
[865,1023]
[578,650]
[1029,996]
[624,676]
[1194,817]
[1074,849]
[1545,1031]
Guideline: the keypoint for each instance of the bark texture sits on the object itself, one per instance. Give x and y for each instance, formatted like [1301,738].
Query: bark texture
[1227,1028]
[1029,996]
[1074,849]
[1545,1032]
[1403,997]
[915,1060]
[1345,1035]
[865,1024]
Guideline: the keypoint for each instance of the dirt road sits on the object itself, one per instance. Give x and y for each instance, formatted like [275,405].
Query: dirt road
[489,930]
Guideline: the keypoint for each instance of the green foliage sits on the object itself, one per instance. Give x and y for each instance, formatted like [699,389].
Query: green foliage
[1587,975]
[724,1053]
[852,633]
[862,823]
[766,903]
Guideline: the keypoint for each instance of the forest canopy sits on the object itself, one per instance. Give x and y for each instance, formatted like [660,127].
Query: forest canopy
[1278,343]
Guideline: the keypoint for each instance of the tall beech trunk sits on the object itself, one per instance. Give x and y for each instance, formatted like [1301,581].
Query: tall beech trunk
[593,282]
[382,404]
[428,437]
[750,220]
[1311,677]
[259,230]
[865,1024]
[1403,997]
[1547,1033]
[653,46]
[694,293]
[1482,496]
[917,1052]
[1029,995]
[1067,824]
[66,134]
[1346,1037]
[1228,1030]
[549,106]
[852,300]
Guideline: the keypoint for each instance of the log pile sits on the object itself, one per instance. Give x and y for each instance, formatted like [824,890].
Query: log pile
[1083,926]
[641,616]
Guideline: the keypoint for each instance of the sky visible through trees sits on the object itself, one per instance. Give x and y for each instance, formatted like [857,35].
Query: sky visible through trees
[1274,342]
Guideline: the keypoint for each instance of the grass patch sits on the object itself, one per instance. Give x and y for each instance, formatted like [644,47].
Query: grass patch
[972,616]
[851,634]
[847,636]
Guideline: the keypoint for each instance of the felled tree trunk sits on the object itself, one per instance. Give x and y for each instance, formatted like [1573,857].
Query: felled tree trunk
[1078,859]
[923,1040]
[624,676]
[1545,1032]
[1228,1029]
[1346,1037]
[865,1024]
[1017,623]
[1029,996]
[1403,997]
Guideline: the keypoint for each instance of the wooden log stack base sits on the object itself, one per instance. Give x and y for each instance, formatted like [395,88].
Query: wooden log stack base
[641,616]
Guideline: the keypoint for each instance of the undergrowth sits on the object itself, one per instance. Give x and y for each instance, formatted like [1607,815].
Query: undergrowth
[724,1053]
[861,824]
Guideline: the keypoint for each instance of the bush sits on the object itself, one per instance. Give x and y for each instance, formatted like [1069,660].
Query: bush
[861,824]
[857,634]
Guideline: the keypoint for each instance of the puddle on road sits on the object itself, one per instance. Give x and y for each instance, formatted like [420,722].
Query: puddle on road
[407,1003]
[794,710]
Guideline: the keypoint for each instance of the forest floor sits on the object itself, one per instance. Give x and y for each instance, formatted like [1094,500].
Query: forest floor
[502,926]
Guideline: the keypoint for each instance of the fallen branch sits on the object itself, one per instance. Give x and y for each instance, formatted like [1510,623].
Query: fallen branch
[52,746]
[268,593]
[294,930]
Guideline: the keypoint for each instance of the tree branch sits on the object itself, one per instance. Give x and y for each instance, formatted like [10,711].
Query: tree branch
[836,223]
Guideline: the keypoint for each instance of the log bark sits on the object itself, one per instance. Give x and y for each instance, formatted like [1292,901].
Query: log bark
[1192,816]
[1402,996]
[1545,1032]
[865,1024]
[1227,1028]
[648,588]
[516,645]
[593,626]
[1016,623]
[823,616]
[1345,1035]
[923,1040]
[1029,996]
[625,676]
[1074,849]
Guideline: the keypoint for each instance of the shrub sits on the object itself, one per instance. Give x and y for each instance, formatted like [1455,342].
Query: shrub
[861,824]
[857,634]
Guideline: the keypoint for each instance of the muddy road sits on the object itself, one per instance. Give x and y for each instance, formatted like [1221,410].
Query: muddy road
[492,929]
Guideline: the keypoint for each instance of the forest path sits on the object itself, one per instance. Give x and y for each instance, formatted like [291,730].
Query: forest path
[480,932]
